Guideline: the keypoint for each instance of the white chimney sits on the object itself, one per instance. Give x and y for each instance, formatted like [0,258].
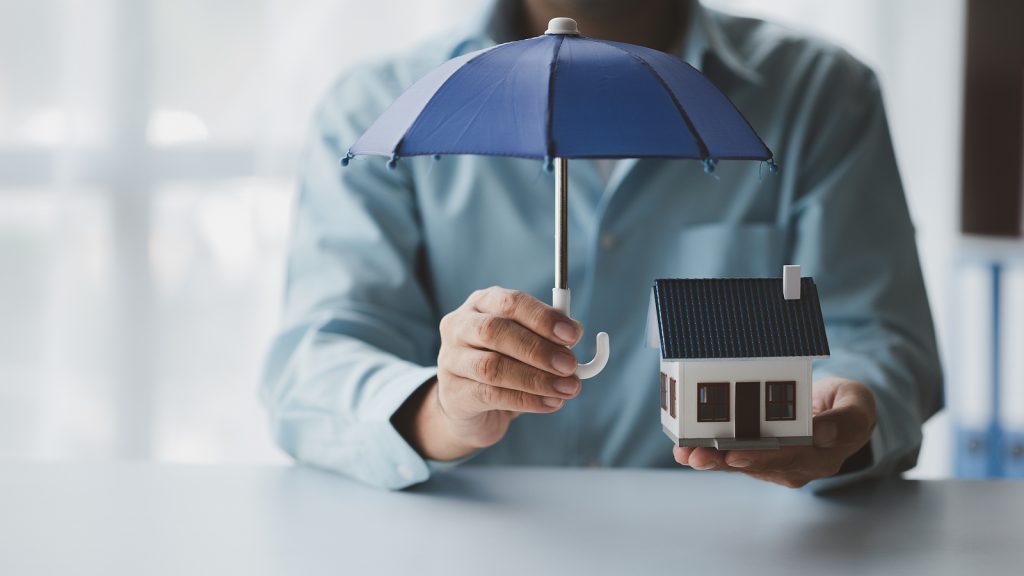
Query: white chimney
[791,281]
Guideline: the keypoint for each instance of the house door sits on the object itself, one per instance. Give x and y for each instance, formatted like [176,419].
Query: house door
[748,409]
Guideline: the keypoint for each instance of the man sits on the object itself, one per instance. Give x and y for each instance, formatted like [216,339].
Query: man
[395,361]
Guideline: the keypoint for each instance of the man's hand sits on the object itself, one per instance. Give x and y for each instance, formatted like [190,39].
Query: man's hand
[844,417]
[503,352]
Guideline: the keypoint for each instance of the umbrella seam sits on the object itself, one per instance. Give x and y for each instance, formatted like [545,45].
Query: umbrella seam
[679,107]
[553,68]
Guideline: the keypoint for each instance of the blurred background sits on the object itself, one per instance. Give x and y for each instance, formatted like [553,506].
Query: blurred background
[147,158]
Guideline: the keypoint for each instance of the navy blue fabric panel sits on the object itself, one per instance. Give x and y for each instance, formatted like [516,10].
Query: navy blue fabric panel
[722,127]
[495,104]
[387,131]
[738,318]
[609,104]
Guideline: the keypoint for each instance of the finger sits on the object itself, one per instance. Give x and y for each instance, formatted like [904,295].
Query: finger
[783,459]
[850,420]
[485,397]
[682,454]
[490,332]
[496,369]
[533,314]
[706,459]
[823,394]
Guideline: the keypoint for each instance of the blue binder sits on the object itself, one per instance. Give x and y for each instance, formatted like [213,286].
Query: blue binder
[1010,378]
[979,437]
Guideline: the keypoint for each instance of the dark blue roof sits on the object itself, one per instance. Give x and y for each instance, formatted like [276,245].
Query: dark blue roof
[738,318]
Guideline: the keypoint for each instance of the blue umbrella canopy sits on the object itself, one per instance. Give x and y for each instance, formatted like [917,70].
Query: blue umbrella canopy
[562,95]
[559,96]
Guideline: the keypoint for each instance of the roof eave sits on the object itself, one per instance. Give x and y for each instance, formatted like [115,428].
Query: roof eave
[745,358]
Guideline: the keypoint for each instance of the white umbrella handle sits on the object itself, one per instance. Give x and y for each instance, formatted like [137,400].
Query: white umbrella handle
[560,300]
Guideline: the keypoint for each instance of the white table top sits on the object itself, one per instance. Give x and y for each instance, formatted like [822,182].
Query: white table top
[144,518]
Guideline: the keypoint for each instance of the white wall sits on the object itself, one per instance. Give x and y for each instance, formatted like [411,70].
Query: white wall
[760,370]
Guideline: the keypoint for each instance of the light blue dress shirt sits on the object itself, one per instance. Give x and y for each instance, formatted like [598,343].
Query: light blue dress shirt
[377,257]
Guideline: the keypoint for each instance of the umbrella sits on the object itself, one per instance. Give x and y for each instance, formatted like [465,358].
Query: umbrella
[559,96]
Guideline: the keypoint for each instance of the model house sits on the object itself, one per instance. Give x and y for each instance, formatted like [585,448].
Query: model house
[736,359]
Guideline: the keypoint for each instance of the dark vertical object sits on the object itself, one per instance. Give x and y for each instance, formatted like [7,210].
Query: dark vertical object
[664,392]
[561,223]
[748,409]
[995,430]
[672,401]
[992,191]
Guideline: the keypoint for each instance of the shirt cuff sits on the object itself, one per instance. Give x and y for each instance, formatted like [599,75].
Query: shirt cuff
[398,464]
[403,466]
[436,466]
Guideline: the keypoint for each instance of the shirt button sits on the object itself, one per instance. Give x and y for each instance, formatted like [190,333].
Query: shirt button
[608,241]
[405,472]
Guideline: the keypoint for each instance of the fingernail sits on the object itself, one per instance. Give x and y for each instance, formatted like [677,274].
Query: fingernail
[705,466]
[825,433]
[566,332]
[739,463]
[552,402]
[564,363]
[566,386]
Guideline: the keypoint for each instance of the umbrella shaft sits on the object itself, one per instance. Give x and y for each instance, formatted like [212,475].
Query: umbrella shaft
[561,223]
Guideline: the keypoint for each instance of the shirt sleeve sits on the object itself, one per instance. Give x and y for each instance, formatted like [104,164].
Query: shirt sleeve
[359,332]
[853,233]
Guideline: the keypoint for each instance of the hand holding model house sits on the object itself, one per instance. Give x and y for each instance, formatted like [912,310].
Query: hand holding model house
[844,417]
[736,376]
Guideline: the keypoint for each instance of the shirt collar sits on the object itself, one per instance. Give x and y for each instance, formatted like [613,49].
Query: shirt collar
[704,35]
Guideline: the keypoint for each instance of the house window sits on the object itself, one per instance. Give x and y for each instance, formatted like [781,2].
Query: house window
[672,403]
[664,391]
[713,402]
[780,401]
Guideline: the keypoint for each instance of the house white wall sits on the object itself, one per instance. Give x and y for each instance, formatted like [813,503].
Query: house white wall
[690,372]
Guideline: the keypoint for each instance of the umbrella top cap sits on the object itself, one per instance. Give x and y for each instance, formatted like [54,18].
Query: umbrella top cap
[562,26]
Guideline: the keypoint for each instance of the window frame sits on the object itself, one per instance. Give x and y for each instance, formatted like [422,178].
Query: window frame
[672,385]
[723,387]
[788,400]
[664,392]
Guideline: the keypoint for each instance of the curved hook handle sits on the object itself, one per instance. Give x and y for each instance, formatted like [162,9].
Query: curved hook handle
[560,300]
[594,367]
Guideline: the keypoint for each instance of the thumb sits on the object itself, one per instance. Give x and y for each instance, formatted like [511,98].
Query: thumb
[850,420]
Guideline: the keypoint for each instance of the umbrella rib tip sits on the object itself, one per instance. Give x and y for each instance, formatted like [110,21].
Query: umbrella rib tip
[709,166]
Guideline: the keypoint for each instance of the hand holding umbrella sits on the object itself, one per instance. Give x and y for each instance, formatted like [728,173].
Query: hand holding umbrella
[561,96]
